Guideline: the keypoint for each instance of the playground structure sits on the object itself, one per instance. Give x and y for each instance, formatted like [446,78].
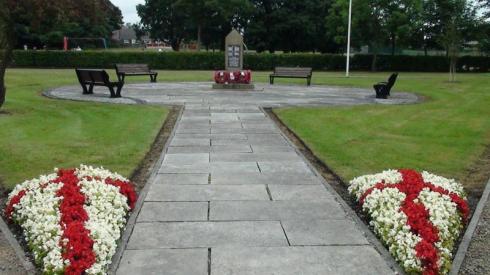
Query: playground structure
[85,42]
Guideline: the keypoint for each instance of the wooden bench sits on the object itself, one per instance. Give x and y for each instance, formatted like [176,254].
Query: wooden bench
[89,78]
[383,88]
[124,70]
[292,72]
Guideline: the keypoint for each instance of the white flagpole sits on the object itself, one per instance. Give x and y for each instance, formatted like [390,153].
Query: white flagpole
[348,40]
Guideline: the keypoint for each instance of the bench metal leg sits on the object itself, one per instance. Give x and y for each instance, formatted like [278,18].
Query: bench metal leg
[111,89]
[271,79]
[119,88]
[91,89]
[153,78]
[308,81]
[84,88]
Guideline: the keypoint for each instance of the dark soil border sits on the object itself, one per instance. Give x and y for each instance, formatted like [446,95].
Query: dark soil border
[479,171]
[139,177]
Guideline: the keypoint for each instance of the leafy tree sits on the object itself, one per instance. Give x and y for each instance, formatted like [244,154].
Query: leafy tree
[7,40]
[165,20]
[458,21]
[45,22]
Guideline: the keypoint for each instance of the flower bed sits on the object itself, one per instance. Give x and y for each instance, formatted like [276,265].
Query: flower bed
[418,216]
[72,219]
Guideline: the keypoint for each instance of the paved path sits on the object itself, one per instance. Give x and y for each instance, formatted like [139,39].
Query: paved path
[233,196]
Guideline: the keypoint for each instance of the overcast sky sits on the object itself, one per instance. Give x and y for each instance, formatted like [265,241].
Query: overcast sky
[128,8]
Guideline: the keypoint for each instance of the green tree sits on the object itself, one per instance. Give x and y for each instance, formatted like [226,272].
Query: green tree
[165,20]
[458,21]
[7,40]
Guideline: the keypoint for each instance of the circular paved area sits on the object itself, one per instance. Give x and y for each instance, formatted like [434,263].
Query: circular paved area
[264,95]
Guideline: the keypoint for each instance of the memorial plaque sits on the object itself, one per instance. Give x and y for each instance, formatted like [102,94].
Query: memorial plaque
[234,51]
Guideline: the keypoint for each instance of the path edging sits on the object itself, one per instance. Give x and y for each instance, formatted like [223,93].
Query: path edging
[467,237]
[14,244]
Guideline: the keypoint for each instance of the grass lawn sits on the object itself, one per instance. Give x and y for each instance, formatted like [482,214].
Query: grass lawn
[446,135]
[38,134]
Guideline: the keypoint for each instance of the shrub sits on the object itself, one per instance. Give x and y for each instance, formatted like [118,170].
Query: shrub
[252,61]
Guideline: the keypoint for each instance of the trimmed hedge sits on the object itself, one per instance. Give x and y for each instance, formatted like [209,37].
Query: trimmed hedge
[263,61]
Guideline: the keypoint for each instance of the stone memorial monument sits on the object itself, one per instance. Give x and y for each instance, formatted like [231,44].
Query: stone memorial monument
[234,77]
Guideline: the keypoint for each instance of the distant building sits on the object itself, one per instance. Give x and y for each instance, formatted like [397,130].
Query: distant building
[125,36]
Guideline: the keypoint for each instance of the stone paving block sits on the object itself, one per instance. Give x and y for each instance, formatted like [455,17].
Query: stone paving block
[234,167]
[226,125]
[164,192]
[164,261]
[267,148]
[173,211]
[261,142]
[323,232]
[315,260]
[189,149]
[228,136]
[193,131]
[188,179]
[275,210]
[243,131]
[239,157]
[224,115]
[186,159]
[299,192]
[247,116]
[240,148]
[227,178]
[284,167]
[185,135]
[190,141]
[198,168]
[207,234]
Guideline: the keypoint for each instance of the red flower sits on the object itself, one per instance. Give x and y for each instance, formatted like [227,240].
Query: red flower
[418,216]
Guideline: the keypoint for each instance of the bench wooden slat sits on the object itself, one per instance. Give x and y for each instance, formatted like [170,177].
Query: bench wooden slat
[124,70]
[292,72]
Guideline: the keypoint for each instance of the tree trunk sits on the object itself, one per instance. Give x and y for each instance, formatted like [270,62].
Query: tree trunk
[5,57]
[175,43]
[199,33]
[393,44]
[373,64]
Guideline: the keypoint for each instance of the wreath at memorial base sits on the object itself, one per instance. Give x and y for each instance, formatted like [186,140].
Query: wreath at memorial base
[233,77]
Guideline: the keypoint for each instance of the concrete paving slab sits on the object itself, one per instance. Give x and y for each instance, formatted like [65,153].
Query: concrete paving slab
[224,177]
[241,157]
[185,159]
[207,234]
[187,179]
[323,232]
[275,210]
[190,142]
[173,211]
[164,192]
[299,192]
[164,261]
[314,260]
[284,167]
[188,149]
[268,148]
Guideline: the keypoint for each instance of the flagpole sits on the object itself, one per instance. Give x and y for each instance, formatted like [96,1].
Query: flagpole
[347,67]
